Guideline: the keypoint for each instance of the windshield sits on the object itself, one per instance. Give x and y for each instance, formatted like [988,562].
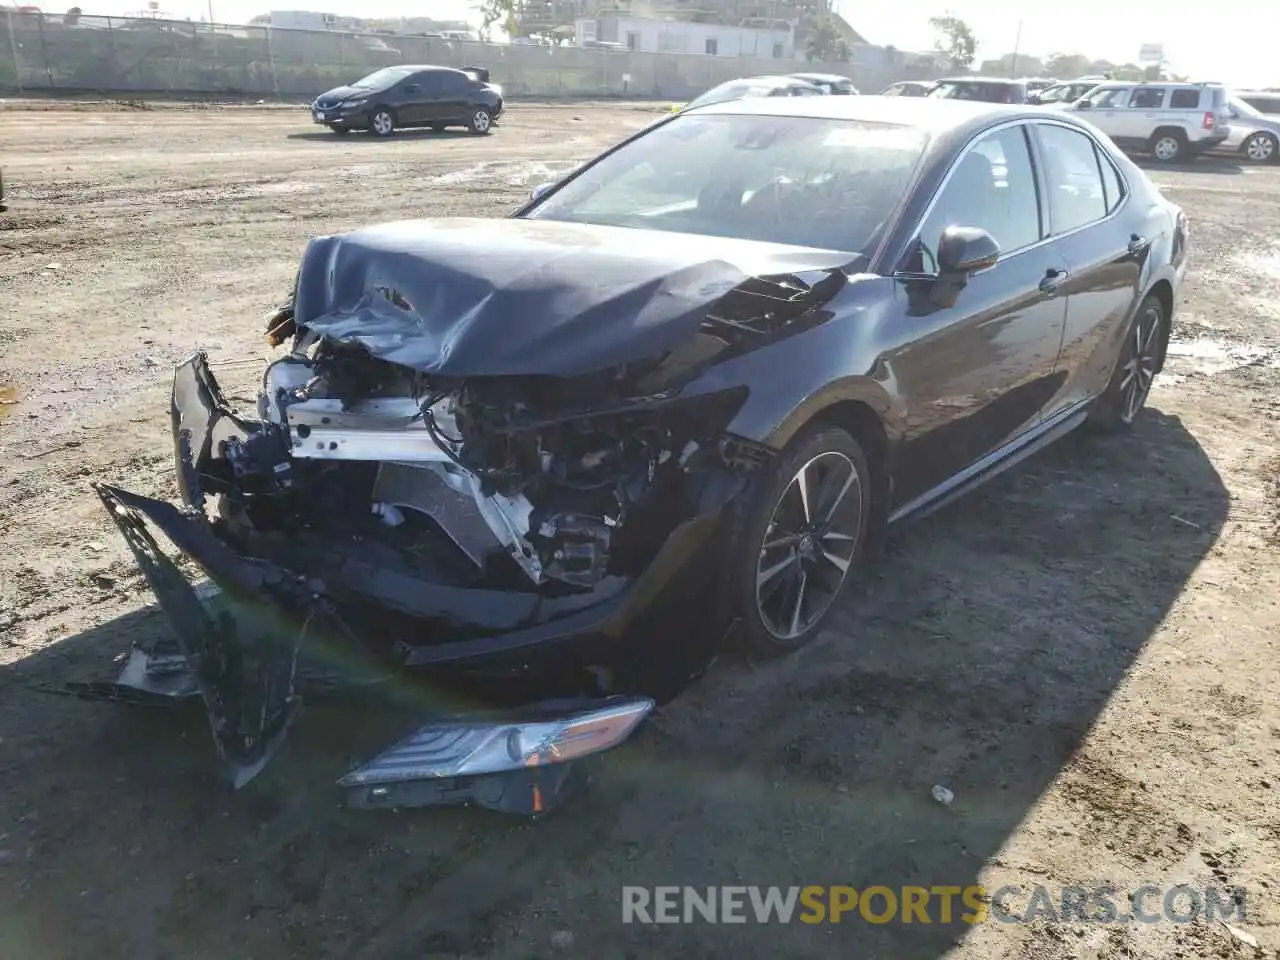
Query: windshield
[735,90]
[805,181]
[381,78]
[1245,109]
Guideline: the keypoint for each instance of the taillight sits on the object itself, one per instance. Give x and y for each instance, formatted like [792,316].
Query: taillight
[1210,120]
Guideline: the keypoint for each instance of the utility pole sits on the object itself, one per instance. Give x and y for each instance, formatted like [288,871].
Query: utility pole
[1017,43]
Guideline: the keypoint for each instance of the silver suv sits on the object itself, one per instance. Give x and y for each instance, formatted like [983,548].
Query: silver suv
[1171,121]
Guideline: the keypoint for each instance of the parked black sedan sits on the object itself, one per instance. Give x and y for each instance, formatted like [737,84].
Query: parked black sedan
[411,96]
[708,368]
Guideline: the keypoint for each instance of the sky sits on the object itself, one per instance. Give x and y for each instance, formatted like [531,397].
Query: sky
[1232,41]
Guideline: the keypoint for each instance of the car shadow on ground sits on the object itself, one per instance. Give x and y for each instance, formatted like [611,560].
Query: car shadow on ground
[976,654]
[364,136]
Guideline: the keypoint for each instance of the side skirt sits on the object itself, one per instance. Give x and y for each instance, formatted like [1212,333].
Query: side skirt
[993,464]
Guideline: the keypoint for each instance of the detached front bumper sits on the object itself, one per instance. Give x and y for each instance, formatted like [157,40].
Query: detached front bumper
[242,660]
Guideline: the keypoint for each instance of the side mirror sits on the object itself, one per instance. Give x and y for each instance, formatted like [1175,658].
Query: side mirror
[539,190]
[966,250]
[962,252]
[1084,105]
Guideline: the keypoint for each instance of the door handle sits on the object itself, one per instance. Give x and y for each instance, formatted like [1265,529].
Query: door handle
[1138,244]
[1053,279]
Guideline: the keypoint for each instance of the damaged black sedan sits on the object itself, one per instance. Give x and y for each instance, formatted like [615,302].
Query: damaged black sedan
[706,370]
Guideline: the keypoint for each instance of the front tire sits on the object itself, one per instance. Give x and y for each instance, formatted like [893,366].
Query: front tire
[1130,385]
[480,121]
[799,533]
[1261,148]
[382,123]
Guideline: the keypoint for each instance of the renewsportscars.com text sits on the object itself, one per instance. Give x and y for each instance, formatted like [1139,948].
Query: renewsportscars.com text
[936,904]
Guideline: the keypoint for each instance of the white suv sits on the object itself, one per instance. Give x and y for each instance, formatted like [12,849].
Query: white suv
[1171,121]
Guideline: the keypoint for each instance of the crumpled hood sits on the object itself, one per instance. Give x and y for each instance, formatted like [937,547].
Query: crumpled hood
[478,297]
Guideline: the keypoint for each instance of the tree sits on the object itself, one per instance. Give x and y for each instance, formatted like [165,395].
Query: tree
[1067,66]
[501,12]
[825,43]
[955,41]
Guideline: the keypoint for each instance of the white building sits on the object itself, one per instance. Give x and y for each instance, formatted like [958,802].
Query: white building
[622,32]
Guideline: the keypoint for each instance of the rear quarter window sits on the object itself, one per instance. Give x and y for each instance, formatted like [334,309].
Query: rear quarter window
[1185,100]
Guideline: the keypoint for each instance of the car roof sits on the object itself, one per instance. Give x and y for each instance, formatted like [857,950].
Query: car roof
[923,113]
[828,77]
[420,68]
[1005,80]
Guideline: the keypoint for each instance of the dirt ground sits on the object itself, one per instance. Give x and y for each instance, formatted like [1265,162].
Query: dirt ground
[1085,652]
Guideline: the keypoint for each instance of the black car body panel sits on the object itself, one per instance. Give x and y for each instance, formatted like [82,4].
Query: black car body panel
[417,96]
[606,396]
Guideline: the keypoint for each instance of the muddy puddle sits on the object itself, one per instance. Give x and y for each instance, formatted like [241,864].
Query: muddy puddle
[1210,356]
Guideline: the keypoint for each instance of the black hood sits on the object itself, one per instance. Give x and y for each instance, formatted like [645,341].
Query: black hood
[483,297]
[343,93]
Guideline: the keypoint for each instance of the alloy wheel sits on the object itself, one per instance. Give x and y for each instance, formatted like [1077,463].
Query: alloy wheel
[809,544]
[480,122]
[1260,148]
[1167,148]
[383,123]
[1139,367]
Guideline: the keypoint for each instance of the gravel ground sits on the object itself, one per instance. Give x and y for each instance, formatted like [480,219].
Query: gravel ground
[1084,652]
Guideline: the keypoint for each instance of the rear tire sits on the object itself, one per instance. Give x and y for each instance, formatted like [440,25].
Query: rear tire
[1130,385]
[795,538]
[1168,146]
[382,123]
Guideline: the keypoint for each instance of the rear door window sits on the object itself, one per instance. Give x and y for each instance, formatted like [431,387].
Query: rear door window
[1185,100]
[1077,196]
[1147,98]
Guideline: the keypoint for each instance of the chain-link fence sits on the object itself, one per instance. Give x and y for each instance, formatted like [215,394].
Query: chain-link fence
[44,52]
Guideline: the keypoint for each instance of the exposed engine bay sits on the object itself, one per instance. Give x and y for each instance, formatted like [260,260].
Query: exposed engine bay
[532,476]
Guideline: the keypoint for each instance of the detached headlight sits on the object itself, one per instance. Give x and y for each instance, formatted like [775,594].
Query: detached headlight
[463,748]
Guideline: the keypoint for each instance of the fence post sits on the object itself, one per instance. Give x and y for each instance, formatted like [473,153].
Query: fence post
[13,49]
[111,55]
[44,50]
[271,57]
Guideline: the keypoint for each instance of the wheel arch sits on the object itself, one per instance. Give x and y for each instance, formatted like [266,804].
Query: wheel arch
[868,420]
[1162,290]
